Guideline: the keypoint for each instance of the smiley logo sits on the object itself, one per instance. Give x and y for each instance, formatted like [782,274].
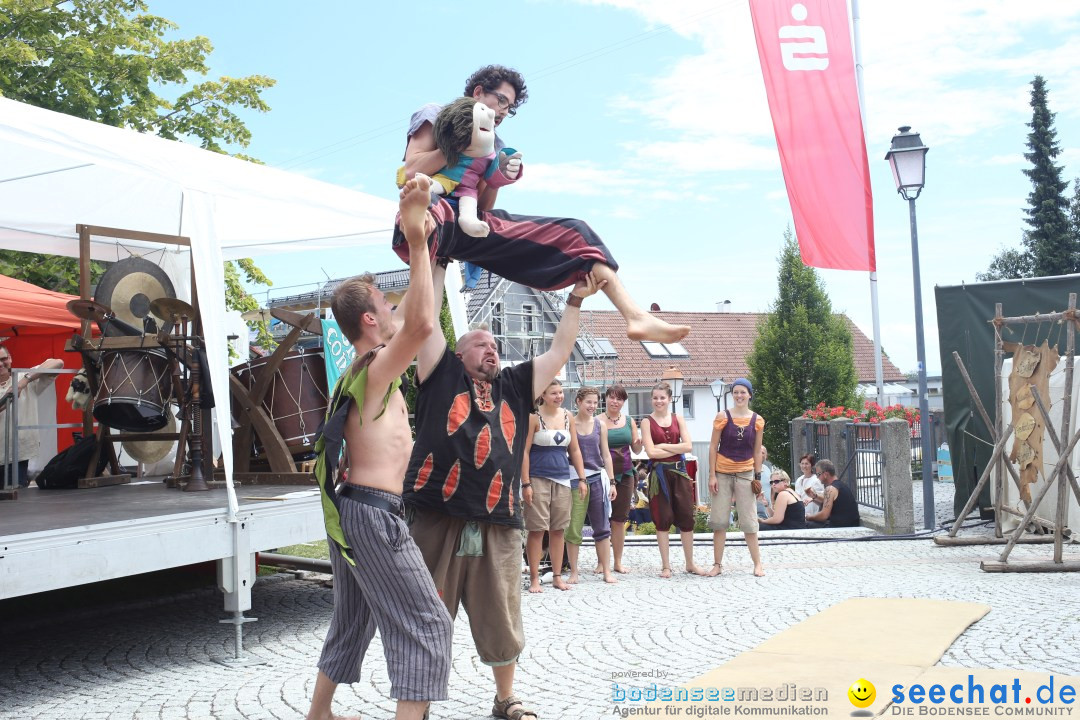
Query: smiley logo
[861,693]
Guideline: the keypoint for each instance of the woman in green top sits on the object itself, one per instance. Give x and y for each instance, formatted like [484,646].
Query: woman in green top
[623,438]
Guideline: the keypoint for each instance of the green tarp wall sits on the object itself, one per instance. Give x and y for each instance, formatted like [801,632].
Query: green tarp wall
[964,313]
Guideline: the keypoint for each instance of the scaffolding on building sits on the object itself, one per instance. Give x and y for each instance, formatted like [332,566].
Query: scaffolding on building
[523,321]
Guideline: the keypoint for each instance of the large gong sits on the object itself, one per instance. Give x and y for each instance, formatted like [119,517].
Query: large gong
[128,287]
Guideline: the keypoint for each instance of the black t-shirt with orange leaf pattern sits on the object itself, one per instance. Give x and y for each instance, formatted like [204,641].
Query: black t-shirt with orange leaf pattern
[470,441]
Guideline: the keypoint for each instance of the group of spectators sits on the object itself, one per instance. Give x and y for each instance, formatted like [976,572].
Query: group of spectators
[578,467]
[814,500]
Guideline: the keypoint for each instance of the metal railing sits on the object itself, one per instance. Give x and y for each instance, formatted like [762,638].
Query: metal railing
[11,426]
[866,466]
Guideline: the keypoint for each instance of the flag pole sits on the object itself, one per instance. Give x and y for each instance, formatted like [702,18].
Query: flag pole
[878,372]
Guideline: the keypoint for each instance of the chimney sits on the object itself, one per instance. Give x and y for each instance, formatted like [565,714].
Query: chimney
[724,306]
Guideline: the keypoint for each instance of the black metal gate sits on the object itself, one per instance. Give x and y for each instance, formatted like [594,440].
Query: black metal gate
[866,465]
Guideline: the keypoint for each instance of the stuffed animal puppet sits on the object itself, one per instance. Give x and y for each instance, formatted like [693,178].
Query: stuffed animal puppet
[465,134]
[78,393]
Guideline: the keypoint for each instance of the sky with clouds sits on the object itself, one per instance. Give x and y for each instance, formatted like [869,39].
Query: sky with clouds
[649,120]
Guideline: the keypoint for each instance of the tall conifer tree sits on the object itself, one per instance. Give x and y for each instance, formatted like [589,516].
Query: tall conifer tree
[803,353]
[1051,243]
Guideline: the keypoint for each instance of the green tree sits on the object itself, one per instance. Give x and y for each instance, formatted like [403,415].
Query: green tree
[1074,209]
[802,355]
[1051,244]
[107,61]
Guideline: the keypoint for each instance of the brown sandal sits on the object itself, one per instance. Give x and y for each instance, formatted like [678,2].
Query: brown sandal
[511,709]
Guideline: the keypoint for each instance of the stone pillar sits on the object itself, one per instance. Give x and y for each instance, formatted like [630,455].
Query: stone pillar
[798,444]
[838,451]
[896,477]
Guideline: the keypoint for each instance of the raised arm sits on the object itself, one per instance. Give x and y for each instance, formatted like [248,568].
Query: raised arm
[417,320]
[547,365]
[50,364]
[433,348]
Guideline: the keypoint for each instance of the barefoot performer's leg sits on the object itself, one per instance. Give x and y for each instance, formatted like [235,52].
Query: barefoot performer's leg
[640,325]
[534,548]
[543,253]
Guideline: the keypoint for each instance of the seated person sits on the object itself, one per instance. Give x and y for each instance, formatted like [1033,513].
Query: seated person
[640,512]
[839,508]
[788,512]
[808,487]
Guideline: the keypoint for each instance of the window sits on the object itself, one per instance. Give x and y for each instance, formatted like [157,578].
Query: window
[664,350]
[529,319]
[596,348]
[497,319]
[688,406]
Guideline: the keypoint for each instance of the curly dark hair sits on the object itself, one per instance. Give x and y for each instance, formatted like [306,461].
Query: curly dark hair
[490,77]
[453,129]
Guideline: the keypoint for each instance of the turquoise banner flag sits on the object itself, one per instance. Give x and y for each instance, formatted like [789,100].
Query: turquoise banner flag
[337,351]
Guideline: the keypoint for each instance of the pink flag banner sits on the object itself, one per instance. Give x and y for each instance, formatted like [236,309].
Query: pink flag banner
[809,69]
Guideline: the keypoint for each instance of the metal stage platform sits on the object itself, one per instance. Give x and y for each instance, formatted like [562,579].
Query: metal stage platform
[51,539]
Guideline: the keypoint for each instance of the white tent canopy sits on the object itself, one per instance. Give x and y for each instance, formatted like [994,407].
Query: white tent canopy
[58,171]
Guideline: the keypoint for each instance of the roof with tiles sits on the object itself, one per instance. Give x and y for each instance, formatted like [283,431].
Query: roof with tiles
[717,347]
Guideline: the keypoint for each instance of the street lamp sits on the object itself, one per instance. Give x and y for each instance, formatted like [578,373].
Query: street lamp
[907,157]
[719,390]
[673,377]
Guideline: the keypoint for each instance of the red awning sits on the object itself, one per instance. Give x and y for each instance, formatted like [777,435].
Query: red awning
[28,309]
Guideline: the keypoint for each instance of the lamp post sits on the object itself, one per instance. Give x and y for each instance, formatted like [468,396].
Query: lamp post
[719,391]
[673,377]
[907,157]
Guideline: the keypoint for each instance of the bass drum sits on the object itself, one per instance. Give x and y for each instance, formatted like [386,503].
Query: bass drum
[296,399]
[135,389]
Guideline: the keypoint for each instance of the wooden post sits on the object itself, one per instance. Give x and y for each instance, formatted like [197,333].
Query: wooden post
[986,420]
[1066,422]
[998,448]
[999,478]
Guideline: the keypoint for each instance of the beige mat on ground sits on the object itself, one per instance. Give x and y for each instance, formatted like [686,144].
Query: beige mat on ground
[808,668]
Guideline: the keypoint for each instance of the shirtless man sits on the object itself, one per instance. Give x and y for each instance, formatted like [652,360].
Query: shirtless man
[380,579]
[542,253]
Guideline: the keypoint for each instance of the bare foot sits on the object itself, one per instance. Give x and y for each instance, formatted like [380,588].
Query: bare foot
[559,584]
[715,570]
[573,579]
[597,570]
[665,573]
[759,571]
[695,570]
[415,196]
[652,328]
[609,578]
[534,587]
[621,570]
[331,716]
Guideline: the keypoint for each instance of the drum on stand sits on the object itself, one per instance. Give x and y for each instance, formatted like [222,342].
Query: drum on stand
[296,399]
[135,389]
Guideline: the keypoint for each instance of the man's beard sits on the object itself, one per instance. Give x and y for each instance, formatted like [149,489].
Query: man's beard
[488,374]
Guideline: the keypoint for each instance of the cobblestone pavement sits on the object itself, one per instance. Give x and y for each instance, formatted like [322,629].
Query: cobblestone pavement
[156,660]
